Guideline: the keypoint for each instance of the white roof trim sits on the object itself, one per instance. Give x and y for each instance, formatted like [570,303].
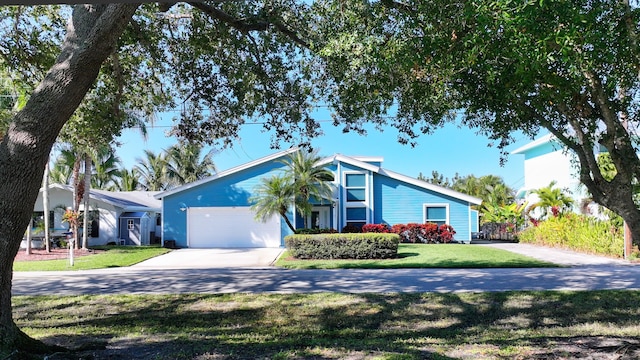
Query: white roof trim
[379,159]
[541,141]
[227,172]
[403,178]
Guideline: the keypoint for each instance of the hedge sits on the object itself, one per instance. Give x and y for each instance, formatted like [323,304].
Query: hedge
[577,232]
[343,246]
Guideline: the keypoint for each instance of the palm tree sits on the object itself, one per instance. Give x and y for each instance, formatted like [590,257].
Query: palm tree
[129,180]
[106,169]
[309,180]
[273,196]
[62,170]
[186,164]
[551,199]
[489,188]
[153,171]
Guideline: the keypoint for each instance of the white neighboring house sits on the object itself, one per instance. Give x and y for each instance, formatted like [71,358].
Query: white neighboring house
[546,159]
[121,217]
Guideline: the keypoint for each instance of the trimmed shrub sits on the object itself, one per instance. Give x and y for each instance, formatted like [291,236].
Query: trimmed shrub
[316,231]
[376,228]
[343,246]
[577,232]
[428,233]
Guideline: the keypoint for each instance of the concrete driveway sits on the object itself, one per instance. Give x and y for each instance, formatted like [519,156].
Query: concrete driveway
[213,258]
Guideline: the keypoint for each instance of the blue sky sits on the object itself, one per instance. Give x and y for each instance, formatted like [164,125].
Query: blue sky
[448,150]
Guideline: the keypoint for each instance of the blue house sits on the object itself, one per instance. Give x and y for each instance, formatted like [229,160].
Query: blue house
[216,211]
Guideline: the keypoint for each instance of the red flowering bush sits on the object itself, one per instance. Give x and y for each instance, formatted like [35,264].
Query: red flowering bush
[446,233]
[376,228]
[431,233]
[424,233]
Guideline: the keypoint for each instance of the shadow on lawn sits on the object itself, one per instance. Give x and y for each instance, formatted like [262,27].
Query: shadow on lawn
[502,325]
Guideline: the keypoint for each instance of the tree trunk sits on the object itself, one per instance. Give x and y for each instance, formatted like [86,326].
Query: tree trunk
[91,36]
[45,207]
[87,189]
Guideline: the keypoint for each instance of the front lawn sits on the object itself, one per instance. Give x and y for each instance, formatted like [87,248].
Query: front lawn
[113,256]
[500,325]
[426,256]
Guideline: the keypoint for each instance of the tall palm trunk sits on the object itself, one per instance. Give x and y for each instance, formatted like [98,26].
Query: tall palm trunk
[77,196]
[87,189]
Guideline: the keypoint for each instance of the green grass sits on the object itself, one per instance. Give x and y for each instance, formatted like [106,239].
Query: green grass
[426,256]
[506,325]
[114,256]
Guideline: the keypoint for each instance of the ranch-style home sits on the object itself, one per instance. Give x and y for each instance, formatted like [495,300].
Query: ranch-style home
[216,212]
[125,217]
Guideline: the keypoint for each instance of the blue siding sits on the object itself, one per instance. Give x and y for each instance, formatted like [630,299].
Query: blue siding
[475,222]
[232,190]
[396,202]
[390,201]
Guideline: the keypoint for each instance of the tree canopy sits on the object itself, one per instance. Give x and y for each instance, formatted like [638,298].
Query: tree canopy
[570,67]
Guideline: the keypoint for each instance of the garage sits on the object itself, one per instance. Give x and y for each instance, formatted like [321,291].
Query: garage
[230,227]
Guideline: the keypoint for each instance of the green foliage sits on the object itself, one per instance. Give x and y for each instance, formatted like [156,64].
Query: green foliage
[552,201]
[499,67]
[310,181]
[307,231]
[303,181]
[343,246]
[106,168]
[509,214]
[577,232]
[490,188]
[129,180]
[438,179]
[153,171]
[272,196]
[187,163]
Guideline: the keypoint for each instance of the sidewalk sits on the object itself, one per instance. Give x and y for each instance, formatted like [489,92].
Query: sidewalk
[558,256]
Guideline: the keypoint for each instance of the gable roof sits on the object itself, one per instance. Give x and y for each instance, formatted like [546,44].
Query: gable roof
[127,200]
[359,161]
[228,172]
[397,176]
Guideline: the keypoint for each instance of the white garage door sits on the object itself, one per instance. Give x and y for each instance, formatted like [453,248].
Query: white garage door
[231,227]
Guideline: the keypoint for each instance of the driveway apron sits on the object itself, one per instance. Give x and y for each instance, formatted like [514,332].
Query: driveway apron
[212,259]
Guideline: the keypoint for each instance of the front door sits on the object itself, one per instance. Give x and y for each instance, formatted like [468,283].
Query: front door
[320,218]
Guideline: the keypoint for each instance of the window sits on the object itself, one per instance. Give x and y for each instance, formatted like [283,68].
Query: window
[436,213]
[356,205]
[130,224]
[94,223]
[38,220]
[356,187]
